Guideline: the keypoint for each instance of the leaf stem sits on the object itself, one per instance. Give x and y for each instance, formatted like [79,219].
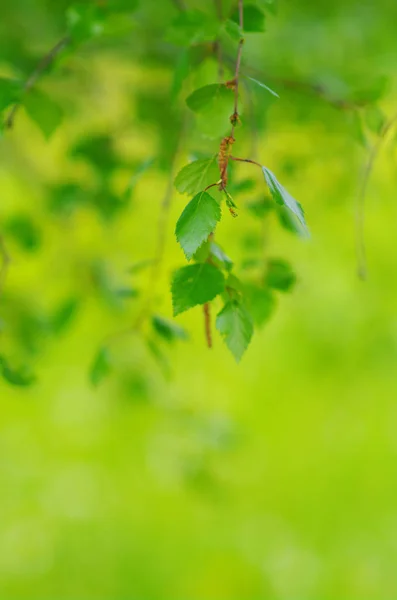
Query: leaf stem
[247,160]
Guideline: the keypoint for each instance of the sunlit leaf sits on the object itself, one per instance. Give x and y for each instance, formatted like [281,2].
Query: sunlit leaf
[235,325]
[195,176]
[195,284]
[196,222]
[281,196]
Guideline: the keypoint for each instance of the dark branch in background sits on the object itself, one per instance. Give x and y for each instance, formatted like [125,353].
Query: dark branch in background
[360,202]
[5,260]
[45,62]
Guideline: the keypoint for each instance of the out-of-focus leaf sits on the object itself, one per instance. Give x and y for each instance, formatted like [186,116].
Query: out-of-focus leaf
[196,222]
[281,196]
[254,18]
[356,127]
[264,86]
[261,208]
[372,91]
[24,231]
[235,325]
[64,314]
[21,377]
[219,257]
[261,303]
[140,265]
[374,118]
[181,72]
[101,366]
[270,5]
[233,30]
[195,284]
[195,176]
[168,330]
[280,275]
[10,92]
[138,173]
[66,198]
[46,113]
[192,27]
[84,21]
[204,97]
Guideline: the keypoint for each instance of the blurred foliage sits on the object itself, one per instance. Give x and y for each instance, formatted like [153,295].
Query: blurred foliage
[136,462]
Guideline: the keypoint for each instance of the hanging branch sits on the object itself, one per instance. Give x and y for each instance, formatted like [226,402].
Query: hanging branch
[360,200]
[45,62]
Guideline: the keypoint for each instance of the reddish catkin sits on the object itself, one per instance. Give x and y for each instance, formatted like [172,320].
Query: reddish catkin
[223,158]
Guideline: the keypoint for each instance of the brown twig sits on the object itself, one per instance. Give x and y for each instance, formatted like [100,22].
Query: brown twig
[207,324]
[360,201]
[247,160]
[31,81]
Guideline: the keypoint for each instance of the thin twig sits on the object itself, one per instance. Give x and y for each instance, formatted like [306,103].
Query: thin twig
[45,62]
[235,116]
[247,160]
[207,323]
[360,200]
[5,258]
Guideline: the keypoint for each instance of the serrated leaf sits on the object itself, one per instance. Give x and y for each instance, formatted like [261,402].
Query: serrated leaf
[235,325]
[280,275]
[46,113]
[281,196]
[264,86]
[195,176]
[254,18]
[204,97]
[10,92]
[168,330]
[261,303]
[101,366]
[196,222]
[218,255]
[21,377]
[195,284]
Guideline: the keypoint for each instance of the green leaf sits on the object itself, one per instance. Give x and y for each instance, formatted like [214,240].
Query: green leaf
[205,96]
[168,330]
[280,275]
[196,222]
[235,325]
[46,113]
[64,314]
[10,92]
[220,258]
[192,27]
[233,29]
[195,284]
[261,303]
[281,196]
[270,5]
[101,366]
[195,176]
[374,118]
[254,18]
[24,231]
[84,21]
[181,72]
[19,377]
[264,86]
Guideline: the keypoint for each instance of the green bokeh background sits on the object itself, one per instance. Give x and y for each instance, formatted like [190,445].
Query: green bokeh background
[272,480]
